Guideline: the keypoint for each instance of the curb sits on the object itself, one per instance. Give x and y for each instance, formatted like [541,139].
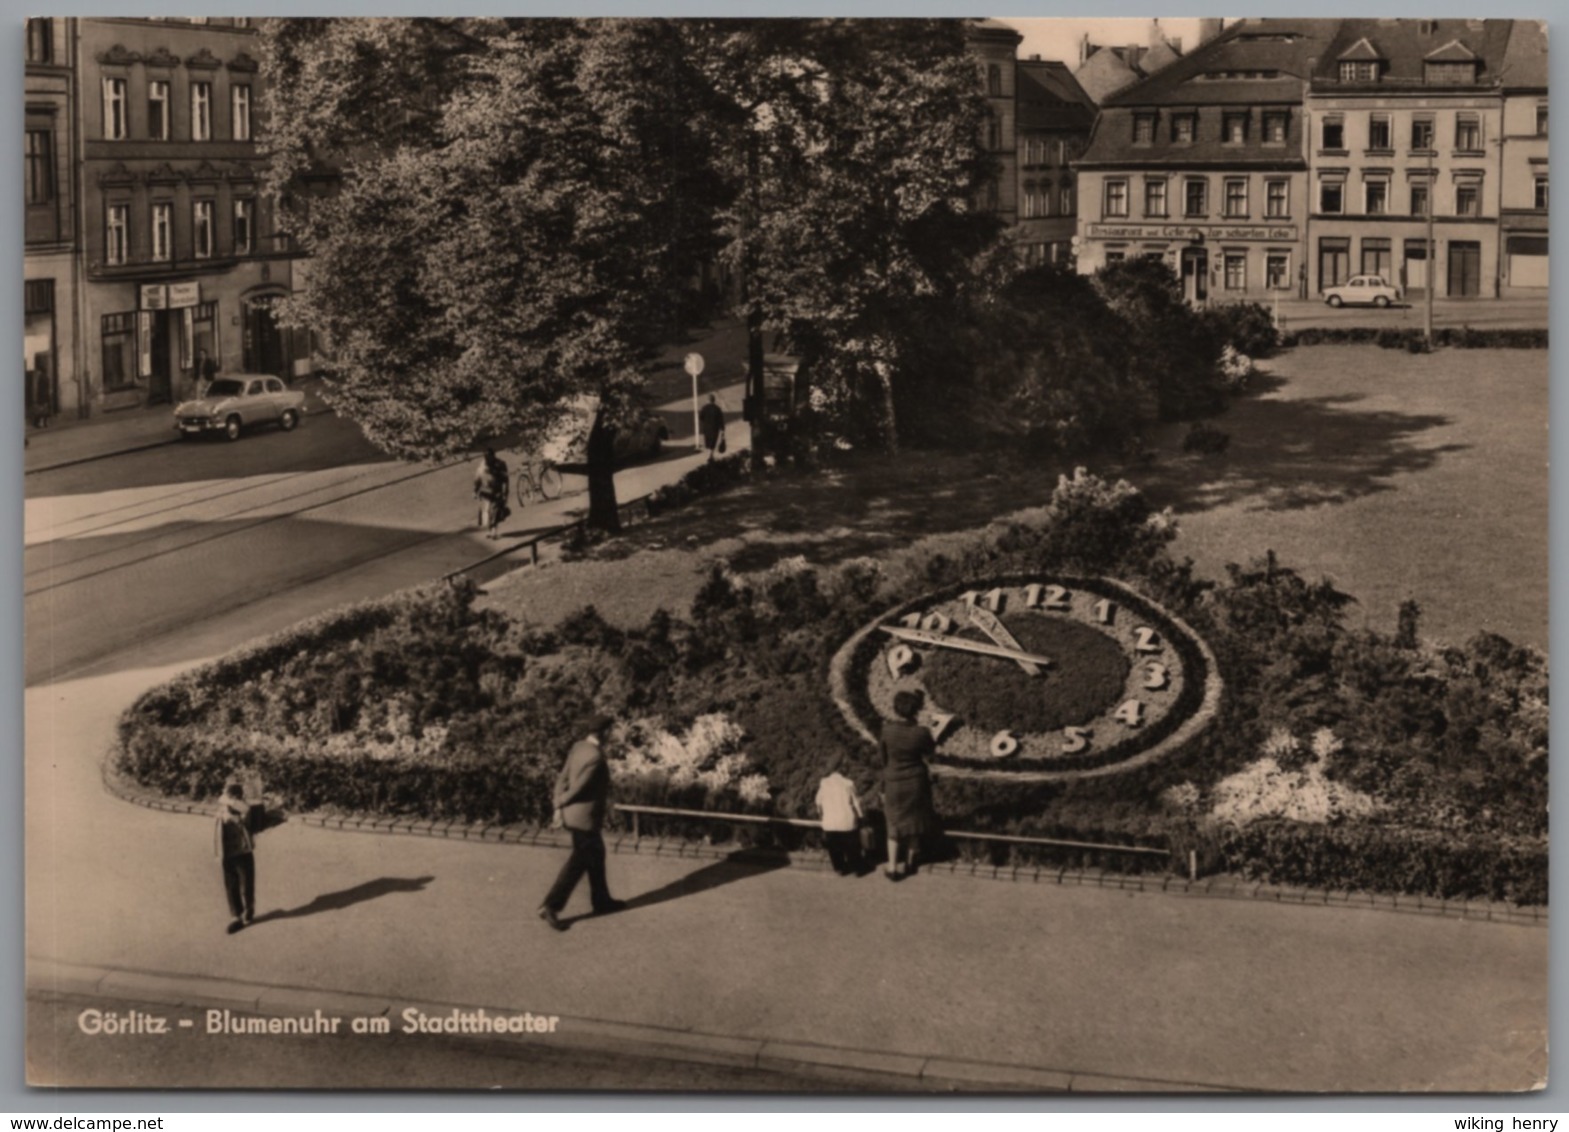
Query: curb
[621,842]
[872,1068]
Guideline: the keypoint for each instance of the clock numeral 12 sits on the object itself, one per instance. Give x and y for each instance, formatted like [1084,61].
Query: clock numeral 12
[1037,596]
[1075,739]
[900,657]
[1131,713]
[1004,744]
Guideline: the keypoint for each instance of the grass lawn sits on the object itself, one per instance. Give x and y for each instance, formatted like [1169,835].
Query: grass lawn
[1395,475]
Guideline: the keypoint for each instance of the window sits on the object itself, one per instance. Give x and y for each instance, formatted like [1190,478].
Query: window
[117,234]
[1359,71]
[40,41]
[1277,199]
[1236,271]
[1027,205]
[114,109]
[1043,199]
[1277,271]
[201,111]
[1195,197]
[201,229]
[1115,257]
[1236,197]
[40,167]
[119,345]
[1116,198]
[1450,74]
[1066,203]
[1379,135]
[1421,133]
[244,226]
[1183,127]
[1541,193]
[1375,198]
[1334,134]
[1468,132]
[993,133]
[1143,129]
[1275,128]
[994,80]
[1331,197]
[1376,258]
[1419,198]
[158,110]
[1155,198]
[1468,199]
[1234,129]
[1541,119]
[163,232]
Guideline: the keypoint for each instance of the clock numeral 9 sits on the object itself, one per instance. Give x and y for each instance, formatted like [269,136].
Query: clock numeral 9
[1156,676]
[1075,739]
[900,658]
[1148,640]
[1004,744]
[1057,598]
[1104,611]
[1131,713]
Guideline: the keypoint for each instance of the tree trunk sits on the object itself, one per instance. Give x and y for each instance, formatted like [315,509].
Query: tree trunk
[602,512]
[890,425]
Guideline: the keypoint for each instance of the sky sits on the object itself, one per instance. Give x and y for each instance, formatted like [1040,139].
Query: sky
[1059,38]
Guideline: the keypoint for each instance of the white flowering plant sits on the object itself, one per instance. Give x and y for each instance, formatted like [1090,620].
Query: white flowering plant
[704,762]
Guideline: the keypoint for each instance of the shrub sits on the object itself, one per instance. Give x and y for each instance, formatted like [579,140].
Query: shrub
[1177,349]
[1206,439]
[1248,328]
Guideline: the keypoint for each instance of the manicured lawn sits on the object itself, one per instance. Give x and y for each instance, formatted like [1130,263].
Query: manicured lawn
[1395,475]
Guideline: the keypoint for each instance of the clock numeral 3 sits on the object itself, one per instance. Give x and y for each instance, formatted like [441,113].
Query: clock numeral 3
[1004,744]
[1156,676]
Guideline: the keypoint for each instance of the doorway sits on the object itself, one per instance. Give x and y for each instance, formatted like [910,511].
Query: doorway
[265,346]
[1195,275]
[1334,262]
[1465,269]
[159,385]
[1414,281]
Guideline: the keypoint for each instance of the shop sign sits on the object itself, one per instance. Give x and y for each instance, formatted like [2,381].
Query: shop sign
[1274,233]
[184,294]
[154,297]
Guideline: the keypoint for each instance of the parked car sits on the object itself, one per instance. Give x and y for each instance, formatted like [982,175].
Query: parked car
[237,401]
[1362,290]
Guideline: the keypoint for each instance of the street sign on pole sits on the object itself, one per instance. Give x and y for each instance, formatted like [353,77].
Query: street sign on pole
[694,366]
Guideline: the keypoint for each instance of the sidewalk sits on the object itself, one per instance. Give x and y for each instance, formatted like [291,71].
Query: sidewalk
[69,440]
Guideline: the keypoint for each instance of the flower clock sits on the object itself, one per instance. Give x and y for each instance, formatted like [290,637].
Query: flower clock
[1034,677]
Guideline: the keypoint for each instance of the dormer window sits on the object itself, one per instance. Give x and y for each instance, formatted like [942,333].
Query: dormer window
[1183,127]
[1359,71]
[1450,74]
[1234,129]
[1143,129]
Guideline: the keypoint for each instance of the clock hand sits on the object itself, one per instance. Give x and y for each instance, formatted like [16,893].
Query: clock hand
[963,644]
[987,622]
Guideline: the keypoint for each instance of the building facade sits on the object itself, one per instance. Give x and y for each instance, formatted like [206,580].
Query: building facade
[1054,116]
[179,252]
[53,382]
[1204,165]
[1523,171]
[1406,130]
[995,46]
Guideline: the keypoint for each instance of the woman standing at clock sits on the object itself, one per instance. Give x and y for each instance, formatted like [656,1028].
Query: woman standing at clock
[907,784]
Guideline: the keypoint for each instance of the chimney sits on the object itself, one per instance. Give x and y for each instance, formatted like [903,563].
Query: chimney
[1084,49]
[1036,57]
[1155,34]
[1208,30]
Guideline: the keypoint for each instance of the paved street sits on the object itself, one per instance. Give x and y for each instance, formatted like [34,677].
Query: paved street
[1480,314]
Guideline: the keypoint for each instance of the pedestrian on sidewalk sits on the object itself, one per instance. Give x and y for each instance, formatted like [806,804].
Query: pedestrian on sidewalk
[907,784]
[491,480]
[581,795]
[235,848]
[841,811]
[206,369]
[711,422]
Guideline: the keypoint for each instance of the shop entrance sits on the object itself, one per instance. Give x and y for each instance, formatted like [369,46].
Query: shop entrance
[159,382]
[266,346]
[1334,262]
[1195,275]
[1465,269]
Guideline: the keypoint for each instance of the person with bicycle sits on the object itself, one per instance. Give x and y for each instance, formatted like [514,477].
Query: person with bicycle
[490,488]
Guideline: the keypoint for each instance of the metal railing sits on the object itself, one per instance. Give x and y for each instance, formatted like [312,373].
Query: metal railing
[637,812]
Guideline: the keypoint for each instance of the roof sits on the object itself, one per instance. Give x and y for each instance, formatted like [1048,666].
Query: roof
[992,29]
[1525,59]
[1279,52]
[1050,98]
[1361,49]
[1406,47]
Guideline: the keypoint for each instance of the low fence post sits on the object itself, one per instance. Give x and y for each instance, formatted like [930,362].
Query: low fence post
[1193,864]
[637,828]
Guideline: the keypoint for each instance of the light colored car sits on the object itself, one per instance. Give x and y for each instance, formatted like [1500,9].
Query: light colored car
[1362,290]
[238,401]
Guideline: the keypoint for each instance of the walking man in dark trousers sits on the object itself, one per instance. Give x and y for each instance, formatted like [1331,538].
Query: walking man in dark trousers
[711,421]
[233,845]
[582,791]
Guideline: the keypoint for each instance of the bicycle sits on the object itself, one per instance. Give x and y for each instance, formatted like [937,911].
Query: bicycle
[537,478]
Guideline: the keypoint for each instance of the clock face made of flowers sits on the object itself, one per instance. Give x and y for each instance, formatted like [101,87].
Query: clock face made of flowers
[1033,678]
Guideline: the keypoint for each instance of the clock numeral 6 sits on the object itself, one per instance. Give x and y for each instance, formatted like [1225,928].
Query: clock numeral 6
[1075,739]
[1131,713]
[941,722]
[1148,640]
[1037,596]
[900,658]
[1004,744]
[1156,676]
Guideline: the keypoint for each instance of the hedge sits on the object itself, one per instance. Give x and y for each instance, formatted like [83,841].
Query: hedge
[1415,341]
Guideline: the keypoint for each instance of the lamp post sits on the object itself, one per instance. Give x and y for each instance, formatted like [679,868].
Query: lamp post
[1432,246]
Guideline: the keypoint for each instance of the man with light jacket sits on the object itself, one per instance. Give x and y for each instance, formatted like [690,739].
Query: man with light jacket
[581,794]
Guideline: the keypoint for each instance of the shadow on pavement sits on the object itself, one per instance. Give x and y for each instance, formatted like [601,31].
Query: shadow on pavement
[740,865]
[337,901]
